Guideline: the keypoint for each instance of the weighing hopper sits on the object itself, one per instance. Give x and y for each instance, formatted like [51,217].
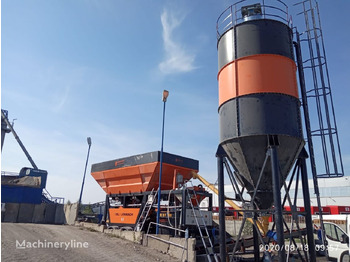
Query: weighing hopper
[140,173]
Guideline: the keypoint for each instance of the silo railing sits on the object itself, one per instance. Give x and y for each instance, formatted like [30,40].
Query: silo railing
[232,15]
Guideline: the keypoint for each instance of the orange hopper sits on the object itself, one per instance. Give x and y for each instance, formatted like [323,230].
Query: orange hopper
[140,173]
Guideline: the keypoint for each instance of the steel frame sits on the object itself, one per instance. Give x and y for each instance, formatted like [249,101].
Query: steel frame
[283,231]
[143,197]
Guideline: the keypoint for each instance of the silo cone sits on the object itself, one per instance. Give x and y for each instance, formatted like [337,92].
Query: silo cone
[258,98]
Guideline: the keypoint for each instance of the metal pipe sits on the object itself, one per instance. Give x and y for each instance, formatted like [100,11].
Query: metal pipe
[228,201]
[256,244]
[161,163]
[277,202]
[222,230]
[233,181]
[237,242]
[183,208]
[82,184]
[307,205]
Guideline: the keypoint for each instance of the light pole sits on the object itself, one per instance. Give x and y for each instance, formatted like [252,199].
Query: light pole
[165,96]
[82,184]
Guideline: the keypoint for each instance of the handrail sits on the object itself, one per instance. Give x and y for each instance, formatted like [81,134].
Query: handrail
[58,200]
[169,242]
[9,173]
[232,16]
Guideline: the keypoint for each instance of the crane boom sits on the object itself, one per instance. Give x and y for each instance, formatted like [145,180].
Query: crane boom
[4,117]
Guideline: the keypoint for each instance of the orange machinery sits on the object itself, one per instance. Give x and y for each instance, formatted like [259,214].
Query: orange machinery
[140,173]
[128,183]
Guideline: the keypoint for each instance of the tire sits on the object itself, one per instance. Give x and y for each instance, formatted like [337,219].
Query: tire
[345,257]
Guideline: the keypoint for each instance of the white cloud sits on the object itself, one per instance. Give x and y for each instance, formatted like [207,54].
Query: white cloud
[177,58]
[61,99]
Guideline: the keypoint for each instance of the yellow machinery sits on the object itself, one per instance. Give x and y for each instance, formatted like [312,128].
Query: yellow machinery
[262,225]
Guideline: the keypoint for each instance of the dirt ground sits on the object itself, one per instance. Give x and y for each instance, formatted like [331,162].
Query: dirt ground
[37,242]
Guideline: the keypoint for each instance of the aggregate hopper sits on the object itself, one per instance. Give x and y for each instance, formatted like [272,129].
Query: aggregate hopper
[130,181]
[140,173]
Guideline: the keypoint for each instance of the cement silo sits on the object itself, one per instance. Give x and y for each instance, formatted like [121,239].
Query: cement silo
[258,99]
[261,132]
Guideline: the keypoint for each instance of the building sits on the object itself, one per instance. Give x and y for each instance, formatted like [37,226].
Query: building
[334,195]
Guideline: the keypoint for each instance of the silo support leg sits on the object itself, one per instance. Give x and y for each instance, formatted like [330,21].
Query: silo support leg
[307,205]
[220,158]
[277,202]
[256,244]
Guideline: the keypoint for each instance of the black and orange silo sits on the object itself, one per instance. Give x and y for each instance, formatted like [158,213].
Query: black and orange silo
[258,98]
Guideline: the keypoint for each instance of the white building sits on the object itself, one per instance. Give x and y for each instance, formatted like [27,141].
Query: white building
[333,192]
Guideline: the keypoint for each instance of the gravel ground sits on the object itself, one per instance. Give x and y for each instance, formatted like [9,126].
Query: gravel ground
[72,244]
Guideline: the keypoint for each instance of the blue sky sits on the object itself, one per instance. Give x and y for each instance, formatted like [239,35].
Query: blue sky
[73,69]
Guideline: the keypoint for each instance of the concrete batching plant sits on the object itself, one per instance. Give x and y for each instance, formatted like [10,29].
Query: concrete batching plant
[261,136]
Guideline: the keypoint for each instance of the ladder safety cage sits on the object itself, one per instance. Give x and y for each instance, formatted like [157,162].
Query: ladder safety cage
[318,104]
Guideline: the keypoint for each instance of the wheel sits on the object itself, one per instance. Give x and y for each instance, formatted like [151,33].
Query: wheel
[345,257]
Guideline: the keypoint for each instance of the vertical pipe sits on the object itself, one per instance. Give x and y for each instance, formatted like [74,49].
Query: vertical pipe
[307,205]
[277,202]
[183,208]
[305,105]
[82,184]
[256,244]
[160,170]
[220,161]
[210,204]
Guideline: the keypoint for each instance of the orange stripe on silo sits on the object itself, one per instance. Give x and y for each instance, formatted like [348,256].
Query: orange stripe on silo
[263,73]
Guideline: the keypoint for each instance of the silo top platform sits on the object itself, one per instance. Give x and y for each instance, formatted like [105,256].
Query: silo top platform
[140,173]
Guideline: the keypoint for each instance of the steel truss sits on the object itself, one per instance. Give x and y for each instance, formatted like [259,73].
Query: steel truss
[285,245]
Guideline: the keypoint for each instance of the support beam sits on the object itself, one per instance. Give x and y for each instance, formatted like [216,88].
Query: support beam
[256,245]
[306,194]
[277,202]
[183,207]
[263,229]
[220,154]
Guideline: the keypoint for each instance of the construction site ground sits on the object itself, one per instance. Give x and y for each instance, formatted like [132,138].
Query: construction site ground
[35,242]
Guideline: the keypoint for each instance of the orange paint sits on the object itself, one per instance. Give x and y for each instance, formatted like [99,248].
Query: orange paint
[123,215]
[140,178]
[264,73]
